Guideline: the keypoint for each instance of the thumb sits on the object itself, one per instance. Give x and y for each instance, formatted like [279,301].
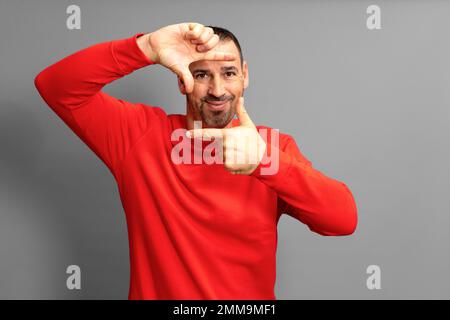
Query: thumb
[244,118]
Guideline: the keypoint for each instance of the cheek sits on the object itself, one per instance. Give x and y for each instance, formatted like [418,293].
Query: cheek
[237,93]
[237,87]
[196,95]
[199,92]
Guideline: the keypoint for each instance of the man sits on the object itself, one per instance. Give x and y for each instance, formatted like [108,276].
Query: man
[196,230]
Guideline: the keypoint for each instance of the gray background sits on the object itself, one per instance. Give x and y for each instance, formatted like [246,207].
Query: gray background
[370,108]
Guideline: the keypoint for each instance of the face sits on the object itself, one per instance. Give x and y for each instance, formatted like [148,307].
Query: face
[217,87]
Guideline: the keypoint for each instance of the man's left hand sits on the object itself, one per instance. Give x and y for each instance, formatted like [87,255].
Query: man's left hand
[243,147]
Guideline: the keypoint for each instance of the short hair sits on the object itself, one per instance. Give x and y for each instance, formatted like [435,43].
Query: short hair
[225,35]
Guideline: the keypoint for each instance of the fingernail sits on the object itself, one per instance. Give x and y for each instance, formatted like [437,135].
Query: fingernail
[188,134]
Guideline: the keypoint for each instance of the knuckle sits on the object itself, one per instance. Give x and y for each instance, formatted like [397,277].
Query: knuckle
[197,30]
[213,41]
[205,36]
[208,45]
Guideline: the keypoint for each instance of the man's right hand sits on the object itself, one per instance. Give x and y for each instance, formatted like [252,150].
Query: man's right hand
[177,46]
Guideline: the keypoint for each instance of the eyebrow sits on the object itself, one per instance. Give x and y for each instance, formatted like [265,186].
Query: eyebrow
[224,69]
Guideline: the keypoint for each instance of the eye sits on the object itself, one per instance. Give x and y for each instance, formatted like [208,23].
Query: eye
[200,76]
[230,73]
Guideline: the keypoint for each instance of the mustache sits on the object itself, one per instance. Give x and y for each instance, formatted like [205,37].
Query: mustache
[214,99]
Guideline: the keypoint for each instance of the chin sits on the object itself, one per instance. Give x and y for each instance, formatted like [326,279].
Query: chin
[213,124]
[218,121]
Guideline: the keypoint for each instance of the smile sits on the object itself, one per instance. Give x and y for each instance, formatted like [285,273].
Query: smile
[217,105]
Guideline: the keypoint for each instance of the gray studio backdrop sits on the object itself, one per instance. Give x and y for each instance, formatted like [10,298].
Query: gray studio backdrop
[367,107]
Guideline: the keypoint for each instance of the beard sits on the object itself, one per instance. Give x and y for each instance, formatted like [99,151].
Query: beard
[216,118]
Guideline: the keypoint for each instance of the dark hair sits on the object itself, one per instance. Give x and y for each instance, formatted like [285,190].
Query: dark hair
[225,35]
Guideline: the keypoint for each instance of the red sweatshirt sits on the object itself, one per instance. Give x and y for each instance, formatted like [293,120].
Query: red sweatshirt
[195,231]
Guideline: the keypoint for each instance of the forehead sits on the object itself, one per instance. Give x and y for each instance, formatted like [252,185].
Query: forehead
[222,46]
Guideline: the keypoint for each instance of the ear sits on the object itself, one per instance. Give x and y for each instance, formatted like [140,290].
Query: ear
[181,86]
[245,74]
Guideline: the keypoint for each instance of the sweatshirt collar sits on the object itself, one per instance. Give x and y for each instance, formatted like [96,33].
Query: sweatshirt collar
[178,121]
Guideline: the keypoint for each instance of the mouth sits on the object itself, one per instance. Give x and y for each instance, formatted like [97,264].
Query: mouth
[217,105]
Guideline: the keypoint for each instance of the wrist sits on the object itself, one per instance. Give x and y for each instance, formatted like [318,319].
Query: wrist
[143,43]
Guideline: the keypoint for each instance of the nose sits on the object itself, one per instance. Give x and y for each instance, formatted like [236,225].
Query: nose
[216,87]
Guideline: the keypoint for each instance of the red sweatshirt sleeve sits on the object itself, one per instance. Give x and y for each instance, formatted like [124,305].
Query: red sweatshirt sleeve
[72,89]
[324,204]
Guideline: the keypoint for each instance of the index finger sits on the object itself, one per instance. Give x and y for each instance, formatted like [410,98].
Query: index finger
[214,55]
